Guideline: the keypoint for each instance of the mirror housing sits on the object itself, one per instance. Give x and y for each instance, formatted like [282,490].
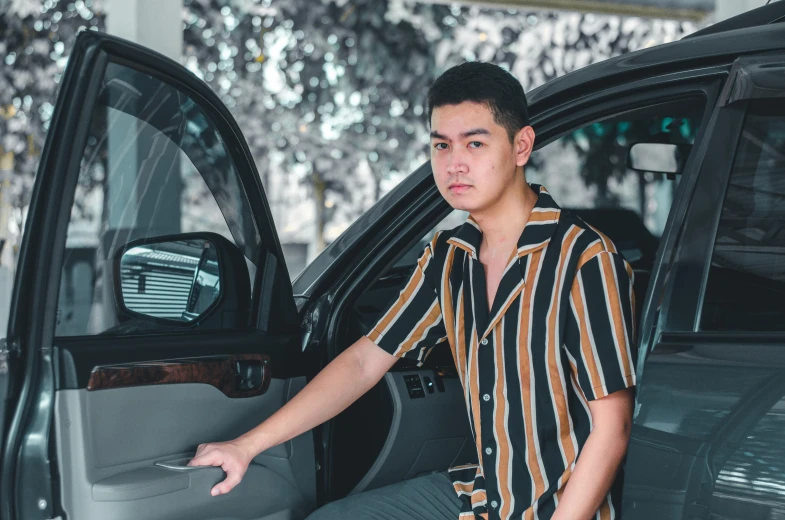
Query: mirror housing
[187,280]
[667,158]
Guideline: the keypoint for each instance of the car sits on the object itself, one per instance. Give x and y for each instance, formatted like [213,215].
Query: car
[182,326]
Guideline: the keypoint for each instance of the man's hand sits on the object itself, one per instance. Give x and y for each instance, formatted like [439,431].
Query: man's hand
[232,456]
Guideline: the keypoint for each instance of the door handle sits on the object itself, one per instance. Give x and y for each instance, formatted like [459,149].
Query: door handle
[180,465]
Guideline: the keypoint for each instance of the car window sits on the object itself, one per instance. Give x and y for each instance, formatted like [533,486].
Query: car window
[587,170]
[745,290]
[154,165]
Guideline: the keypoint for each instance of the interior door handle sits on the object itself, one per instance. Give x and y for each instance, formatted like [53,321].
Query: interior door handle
[180,465]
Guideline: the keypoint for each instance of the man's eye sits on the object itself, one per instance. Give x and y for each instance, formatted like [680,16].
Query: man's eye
[440,146]
[475,144]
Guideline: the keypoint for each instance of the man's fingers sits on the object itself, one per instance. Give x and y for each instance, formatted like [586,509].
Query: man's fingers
[206,459]
[232,479]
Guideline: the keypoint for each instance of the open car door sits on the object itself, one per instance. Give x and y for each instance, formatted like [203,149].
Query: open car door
[152,310]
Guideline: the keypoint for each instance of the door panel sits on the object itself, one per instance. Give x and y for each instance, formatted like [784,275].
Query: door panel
[428,433]
[108,442]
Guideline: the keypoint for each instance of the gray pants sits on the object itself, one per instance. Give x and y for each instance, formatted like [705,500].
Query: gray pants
[425,498]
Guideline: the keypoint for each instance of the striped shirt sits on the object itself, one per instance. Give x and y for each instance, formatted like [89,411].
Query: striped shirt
[559,333]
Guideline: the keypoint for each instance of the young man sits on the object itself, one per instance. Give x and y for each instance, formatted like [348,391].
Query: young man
[537,308]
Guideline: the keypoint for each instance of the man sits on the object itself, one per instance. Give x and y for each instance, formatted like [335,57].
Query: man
[537,308]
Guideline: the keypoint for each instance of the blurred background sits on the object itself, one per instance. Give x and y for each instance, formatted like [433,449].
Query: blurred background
[330,95]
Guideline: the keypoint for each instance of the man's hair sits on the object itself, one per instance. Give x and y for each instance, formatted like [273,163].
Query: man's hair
[483,83]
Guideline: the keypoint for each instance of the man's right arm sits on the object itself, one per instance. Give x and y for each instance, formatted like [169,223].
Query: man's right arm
[410,328]
[338,385]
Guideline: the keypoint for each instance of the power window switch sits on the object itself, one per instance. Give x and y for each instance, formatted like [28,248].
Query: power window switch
[414,386]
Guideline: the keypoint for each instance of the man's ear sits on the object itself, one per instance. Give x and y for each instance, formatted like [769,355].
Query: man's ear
[523,145]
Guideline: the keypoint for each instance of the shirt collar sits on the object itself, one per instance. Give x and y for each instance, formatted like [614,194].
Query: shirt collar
[536,234]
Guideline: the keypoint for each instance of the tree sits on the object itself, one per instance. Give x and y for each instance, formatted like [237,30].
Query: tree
[35,39]
[322,88]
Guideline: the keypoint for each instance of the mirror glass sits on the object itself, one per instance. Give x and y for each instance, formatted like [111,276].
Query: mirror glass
[655,157]
[175,280]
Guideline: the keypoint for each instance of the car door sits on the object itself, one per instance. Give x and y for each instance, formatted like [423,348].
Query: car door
[152,309]
[707,440]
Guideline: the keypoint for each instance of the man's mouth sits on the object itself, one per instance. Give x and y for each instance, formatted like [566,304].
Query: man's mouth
[458,188]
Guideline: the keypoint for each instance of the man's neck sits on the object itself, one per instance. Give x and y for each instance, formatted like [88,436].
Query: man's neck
[504,222]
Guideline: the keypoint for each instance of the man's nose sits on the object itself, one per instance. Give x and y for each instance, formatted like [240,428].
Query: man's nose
[456,164]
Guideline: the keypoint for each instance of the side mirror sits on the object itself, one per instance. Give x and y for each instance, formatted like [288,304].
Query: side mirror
[186,279]
[665,158]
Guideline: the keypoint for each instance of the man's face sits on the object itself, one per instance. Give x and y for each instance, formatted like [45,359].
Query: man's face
[474,163]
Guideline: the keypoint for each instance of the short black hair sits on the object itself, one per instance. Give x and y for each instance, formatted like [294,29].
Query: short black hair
[485,83]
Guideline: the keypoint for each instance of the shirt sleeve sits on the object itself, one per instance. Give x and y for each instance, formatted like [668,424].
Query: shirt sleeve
[600,332]
[413,324]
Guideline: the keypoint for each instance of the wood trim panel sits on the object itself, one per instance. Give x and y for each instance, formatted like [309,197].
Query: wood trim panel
[222,372]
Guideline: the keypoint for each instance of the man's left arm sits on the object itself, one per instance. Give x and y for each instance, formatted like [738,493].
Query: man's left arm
[600,344]
[600,457]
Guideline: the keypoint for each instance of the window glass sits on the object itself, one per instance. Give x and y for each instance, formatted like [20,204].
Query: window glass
[746,284]
[587,171]
[154,166]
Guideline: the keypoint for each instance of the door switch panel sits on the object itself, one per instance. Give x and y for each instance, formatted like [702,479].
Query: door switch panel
[414,386]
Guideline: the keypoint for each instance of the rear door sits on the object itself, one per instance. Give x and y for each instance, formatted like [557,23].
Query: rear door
[152,310]
[708,437]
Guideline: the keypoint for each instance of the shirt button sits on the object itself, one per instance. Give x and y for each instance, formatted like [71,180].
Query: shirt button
[485,341]
[488,451]
[486,398]
[494,504]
